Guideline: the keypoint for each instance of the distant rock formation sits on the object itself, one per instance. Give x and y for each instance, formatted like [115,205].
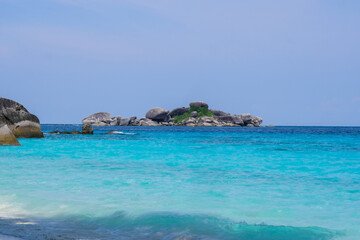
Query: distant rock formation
[99,118]
[158,114]
[197,114]
[7,137]
[18,119]
[178,111]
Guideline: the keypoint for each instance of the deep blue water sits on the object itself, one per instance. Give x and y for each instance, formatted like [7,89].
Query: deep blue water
[183,183]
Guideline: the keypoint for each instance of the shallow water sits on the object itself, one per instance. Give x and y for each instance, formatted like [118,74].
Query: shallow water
[183,183]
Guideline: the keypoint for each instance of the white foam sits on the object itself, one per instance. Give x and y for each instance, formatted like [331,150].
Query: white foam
[122,133]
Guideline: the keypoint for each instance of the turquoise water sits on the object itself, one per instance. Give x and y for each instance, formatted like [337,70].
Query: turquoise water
[183,183]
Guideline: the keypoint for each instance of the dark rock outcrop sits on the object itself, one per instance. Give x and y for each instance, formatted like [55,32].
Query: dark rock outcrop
[219,113]
[199,104]
[22,123]
[7,137]
[178,111]
[87,129]
[55,132]
[158,114]
[99,118]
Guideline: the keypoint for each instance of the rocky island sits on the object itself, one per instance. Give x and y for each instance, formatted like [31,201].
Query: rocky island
[197,114]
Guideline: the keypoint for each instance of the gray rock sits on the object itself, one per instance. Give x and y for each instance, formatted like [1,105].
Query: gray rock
[99,118]
[199,104]
[189,120]
[205,120]
[158,114]
[227,119]
[218,113]
[7,137]
[115,121]
[257,121]
[194,114]
[147,122]
[246,117]
[178,111]
[18,119]
[124,122]
[87,128]
[136,122]
[238,120]
[251,121]
[132,120]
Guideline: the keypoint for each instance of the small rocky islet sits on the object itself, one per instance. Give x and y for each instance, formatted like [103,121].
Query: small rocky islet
[197,114]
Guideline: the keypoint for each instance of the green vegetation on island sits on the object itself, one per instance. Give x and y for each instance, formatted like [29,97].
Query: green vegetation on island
[201,112]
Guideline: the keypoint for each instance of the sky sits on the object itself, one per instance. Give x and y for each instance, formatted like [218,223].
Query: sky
[290,62]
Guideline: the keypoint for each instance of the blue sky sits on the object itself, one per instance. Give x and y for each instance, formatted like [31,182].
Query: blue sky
[290,62]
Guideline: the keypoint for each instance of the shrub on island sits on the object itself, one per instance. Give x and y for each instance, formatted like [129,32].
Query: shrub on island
[201,112]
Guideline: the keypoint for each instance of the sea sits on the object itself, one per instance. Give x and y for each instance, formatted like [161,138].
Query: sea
[183,183]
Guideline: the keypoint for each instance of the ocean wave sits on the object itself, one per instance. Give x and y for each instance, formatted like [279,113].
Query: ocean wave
[162,226]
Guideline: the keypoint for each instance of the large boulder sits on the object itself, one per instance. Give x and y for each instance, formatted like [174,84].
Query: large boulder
[22,123]
[219,113]
[199,104]
[124,122]
[178,111]
[158,114]
[87,129]
[99,118]
[7,137]
[133,121]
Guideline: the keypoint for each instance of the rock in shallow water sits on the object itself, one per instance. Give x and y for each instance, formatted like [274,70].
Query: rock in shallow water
[87,129]
[7,137]
[22,123]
